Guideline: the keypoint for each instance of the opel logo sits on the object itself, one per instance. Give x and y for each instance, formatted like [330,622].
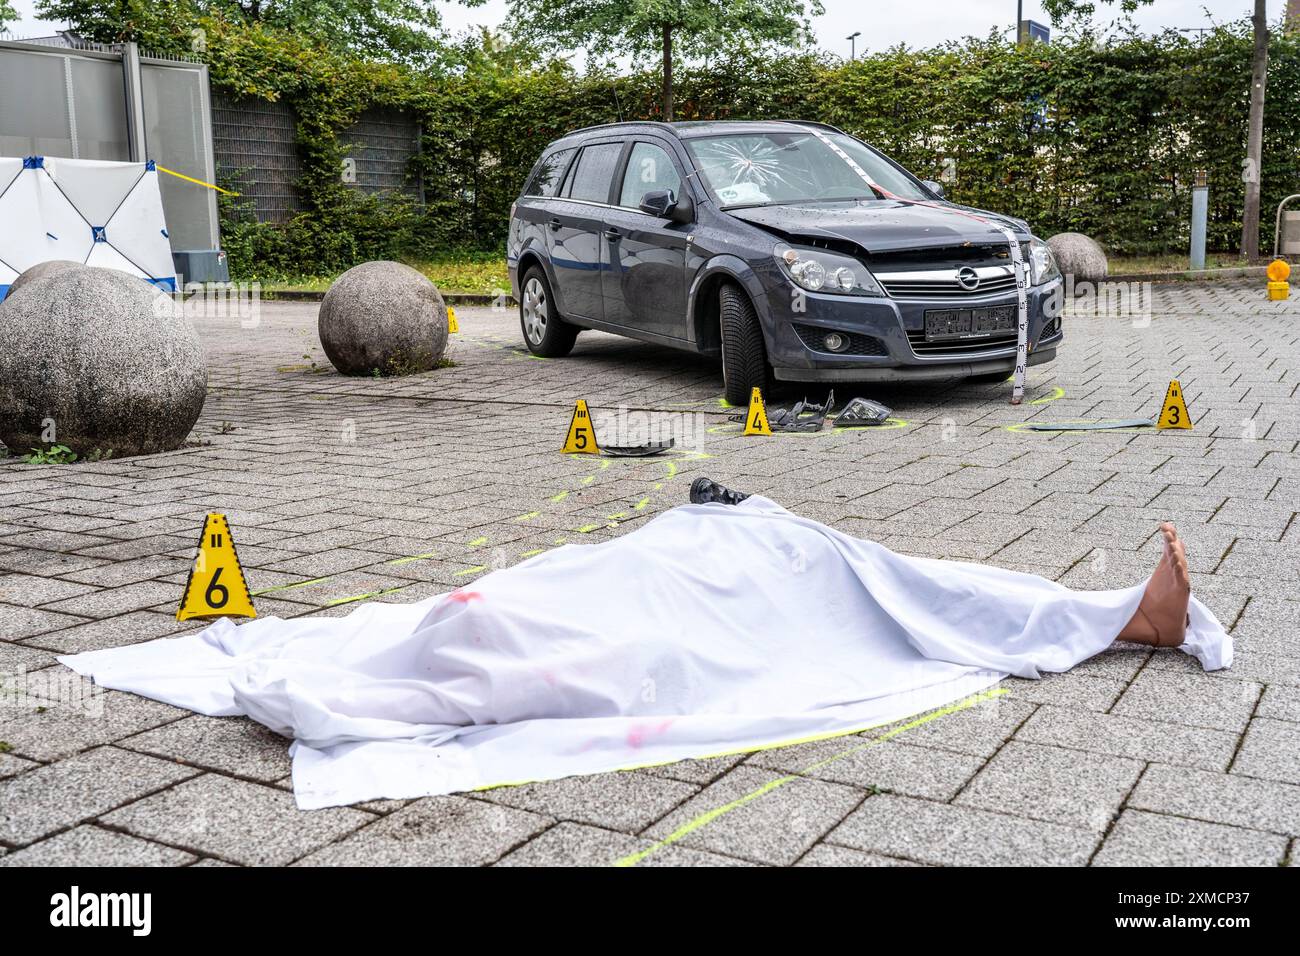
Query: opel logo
[968,278]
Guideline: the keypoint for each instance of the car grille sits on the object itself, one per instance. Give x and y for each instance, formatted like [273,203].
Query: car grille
[944,284]
[815,339]
[921,347]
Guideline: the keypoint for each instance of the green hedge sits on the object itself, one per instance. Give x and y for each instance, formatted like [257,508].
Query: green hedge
[1101,138]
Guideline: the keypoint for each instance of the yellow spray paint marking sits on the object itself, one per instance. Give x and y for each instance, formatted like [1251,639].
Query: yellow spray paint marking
[528,517]
[560,497]
[709,816]
[533,553]
[413,557]
[641,504]
[363,597]
[290,587]
[581,439]
[756,417]
[618,517]
[1173,414]
[588,528]
[474,570]
[188,179]
[1057,392]
[216,585]
[477,543]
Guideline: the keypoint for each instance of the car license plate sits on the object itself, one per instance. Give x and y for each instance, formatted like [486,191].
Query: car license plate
[956,324]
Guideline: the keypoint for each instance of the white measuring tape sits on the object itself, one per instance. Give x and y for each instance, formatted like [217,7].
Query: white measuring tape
[1017,262]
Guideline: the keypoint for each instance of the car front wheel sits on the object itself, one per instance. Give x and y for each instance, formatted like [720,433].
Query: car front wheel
[545,332]
[744,356]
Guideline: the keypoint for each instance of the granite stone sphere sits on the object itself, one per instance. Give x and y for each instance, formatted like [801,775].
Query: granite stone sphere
[383,318]
[1079,256]
[97,359]
[43,269]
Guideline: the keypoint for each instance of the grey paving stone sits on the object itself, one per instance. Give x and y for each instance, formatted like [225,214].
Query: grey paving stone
[93,846]
[11,766]
[109,632]
[978,730]
[27,590]
[1271,749]
[17,623]
[84,716]
[1281,703]
[1219,798]
[234,745]
[235,820]
[113,601]
[1195,699]
[946,834]
[698,772]
[54,797]
[876,765]
[617,801]
[1053,784]
[826,854]
[1130,737]
[1068,690]
[766,821]
[436,831]
[575,844]
[1153,839]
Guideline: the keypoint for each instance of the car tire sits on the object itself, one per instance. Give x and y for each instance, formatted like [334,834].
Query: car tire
[744,356]
[544,329]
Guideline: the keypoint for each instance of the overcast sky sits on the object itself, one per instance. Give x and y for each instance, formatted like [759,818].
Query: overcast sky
[926,23]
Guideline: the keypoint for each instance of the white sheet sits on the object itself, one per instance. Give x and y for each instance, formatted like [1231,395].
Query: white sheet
[712,629]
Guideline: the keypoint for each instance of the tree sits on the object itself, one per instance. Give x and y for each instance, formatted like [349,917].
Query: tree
[7,14]
[398,29]
[1253,165]
[662,28]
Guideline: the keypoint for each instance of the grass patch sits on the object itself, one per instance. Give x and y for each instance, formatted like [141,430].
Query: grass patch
[1172,262]
[482,273]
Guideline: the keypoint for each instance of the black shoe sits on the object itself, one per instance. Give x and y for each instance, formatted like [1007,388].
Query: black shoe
[705,490]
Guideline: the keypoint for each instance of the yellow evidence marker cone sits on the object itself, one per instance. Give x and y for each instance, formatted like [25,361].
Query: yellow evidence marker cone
[582,434]
[756,417]
[1173,414]
[452,325]
[216,586]
[1278,272]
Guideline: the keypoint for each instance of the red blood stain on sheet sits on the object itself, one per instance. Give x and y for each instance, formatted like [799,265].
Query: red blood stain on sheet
[464,597]
[639,733]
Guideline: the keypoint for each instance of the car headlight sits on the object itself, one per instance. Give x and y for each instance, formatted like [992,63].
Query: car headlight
[1042,264]
[820,271]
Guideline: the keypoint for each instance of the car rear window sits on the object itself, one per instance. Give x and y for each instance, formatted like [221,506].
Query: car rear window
[546,180]
[593,172]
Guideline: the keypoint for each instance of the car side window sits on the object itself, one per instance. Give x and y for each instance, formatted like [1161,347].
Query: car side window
[593,172]
[546,180]
[649,167]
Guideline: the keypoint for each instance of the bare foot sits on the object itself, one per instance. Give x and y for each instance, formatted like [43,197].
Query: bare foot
[1161,619]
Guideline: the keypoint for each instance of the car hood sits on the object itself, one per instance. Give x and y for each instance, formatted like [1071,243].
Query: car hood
[880,225]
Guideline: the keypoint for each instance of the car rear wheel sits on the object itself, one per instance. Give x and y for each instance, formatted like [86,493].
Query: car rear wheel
[545,332]
[744,356]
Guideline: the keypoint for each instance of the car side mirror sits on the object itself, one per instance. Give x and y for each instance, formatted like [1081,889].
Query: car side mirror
[662,204]
[934,187]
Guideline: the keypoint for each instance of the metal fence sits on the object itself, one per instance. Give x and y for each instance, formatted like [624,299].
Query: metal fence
[255,143]
[91,101]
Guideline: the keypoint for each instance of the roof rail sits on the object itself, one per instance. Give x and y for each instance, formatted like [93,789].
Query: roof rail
[588,129]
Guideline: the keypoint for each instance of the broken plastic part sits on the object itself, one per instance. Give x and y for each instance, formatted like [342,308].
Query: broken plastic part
[802,416]
[1089,426]
[862,411]
[638,451]
[706,491]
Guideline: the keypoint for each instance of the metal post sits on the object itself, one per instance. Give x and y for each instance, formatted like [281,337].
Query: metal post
[134,103]
[1200,213]
[853,46]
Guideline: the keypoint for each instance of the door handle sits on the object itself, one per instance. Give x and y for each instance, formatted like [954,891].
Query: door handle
[555,225]
[613,235]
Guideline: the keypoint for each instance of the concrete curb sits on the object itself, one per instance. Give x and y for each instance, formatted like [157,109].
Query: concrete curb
[453,298]
[1191,275]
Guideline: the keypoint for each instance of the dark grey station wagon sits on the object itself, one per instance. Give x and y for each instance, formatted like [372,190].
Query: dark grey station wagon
[792,250]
